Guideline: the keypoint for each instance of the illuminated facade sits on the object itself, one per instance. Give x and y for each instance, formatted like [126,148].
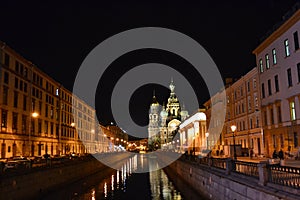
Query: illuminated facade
[278,66]
[193,133]
[163,123]
[243,111]
[36,113]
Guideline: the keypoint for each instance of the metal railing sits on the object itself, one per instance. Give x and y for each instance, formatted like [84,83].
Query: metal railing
[218,163]
[246,168]
[283,175]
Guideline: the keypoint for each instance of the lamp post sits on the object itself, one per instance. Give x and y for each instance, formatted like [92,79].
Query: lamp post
[233,128]
[193,145]
[32,117]
[206,135]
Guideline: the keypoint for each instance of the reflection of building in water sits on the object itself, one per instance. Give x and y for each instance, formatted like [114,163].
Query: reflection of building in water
[163,123]
[161,187]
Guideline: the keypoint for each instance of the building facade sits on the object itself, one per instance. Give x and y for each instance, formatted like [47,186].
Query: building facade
[164,122]
[37,113]
[193,137]
[278,65]
[243,111]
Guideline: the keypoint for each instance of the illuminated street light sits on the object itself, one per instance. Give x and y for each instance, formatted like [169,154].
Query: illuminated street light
[73,124]
[233,128]
[34,115]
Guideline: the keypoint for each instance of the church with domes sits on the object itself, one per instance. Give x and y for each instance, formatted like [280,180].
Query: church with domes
[164,120]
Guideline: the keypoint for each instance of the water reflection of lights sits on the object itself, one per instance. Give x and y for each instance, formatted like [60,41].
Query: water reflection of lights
[117,179]
[93,194]
[105,189]
[112,182]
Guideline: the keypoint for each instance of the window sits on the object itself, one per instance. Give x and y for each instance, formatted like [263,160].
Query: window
[274,56]
[15,121]
[281,141]
[6,60]
[4,119]
[15,99]
[267,61]
[46,110]
[295,139]
[17,66]
[263,95]
[279,114]
[251,123]
[46,127]
[24,122]
[296,40]
[269,87]
[276,83]
[298,70]
[289,76]
[248,86]
[266,118]
[16,83]
[274,141]
[51,128]
[6,77]
[5,95]
[261,67]
[39,126]
[286,47]
[24,102]
[272,116]
[254,83]
[292,110]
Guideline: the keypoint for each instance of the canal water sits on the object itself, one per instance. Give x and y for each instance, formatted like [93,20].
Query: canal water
[125,184]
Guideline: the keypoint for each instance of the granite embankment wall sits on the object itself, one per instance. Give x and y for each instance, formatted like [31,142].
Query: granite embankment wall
[36,183]
[216,184]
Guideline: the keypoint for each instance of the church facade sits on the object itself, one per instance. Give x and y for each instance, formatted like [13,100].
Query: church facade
[164,120]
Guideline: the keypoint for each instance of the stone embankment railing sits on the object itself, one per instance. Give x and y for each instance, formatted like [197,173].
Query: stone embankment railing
[225,178]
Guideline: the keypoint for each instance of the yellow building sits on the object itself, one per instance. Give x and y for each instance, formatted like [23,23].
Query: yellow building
[243,111]
[36,113]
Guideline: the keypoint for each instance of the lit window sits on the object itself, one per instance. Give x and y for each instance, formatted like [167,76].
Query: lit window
[261,67]
[292,110]
[287,48]
[267,61]
[274,56]
[57,92]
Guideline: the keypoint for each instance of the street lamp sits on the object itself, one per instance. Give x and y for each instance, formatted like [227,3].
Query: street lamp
[206,135]
[32,116]
[233,128]
[194,145]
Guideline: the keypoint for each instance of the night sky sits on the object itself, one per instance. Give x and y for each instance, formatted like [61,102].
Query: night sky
[58,36]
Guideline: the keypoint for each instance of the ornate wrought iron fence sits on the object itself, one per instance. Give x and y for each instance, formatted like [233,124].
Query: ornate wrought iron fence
[283,175]
[246,168]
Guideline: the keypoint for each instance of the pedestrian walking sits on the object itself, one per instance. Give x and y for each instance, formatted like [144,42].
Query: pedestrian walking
[280,154]
[274,154]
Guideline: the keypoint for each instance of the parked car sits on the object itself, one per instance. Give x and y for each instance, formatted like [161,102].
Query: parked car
[10,165]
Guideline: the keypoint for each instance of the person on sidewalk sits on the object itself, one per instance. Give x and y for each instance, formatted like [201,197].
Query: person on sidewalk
[280,154]
[274,154]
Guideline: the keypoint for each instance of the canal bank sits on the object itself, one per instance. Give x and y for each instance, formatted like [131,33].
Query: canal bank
[37,182]
[214,183]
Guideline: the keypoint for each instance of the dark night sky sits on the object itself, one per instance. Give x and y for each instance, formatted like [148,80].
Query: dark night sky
[56,37]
